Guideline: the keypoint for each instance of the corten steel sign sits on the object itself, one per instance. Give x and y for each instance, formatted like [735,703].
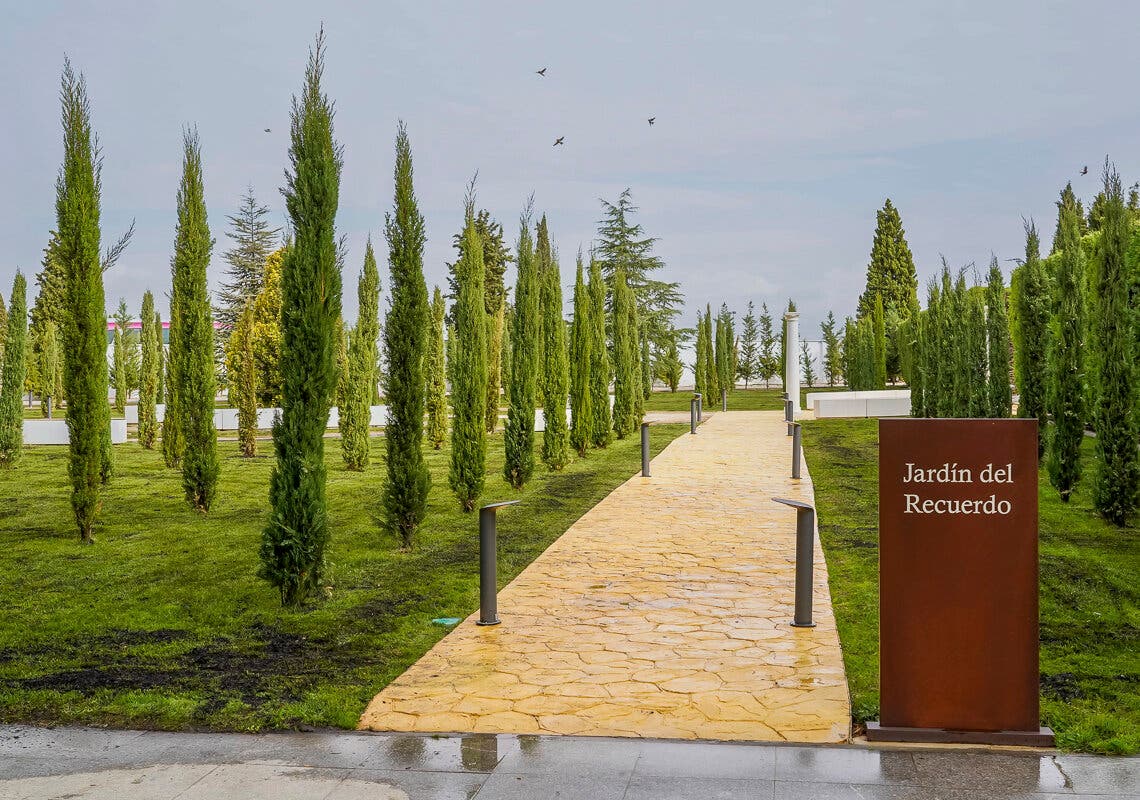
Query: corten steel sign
[958,646]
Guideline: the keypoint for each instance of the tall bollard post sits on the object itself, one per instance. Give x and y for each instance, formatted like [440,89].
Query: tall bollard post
[724,399]
[797,447]
[693,416]
[645,450]
[488,563]
[789,415]
[700,406]
[805,560]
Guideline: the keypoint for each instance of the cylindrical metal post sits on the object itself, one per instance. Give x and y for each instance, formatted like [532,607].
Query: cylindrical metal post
[645,450]
[797,444]
[789,415]
[805,565]
[693,415]
[488,557]
[49,407]
[700,407]
[724,399]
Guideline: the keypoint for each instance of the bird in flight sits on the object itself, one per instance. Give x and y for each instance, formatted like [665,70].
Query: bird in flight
[652,120]
[559,140]
[267,130]
[1085,170]
[541,72]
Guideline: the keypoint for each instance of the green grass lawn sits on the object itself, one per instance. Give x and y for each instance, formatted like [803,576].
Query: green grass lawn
[1090,593]
[164,624]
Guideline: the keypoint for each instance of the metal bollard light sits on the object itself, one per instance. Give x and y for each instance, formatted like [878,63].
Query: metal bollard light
[693,416]
[805,560]
[700,406]
[488,563]
[724,399]
[645,450]
[797,448]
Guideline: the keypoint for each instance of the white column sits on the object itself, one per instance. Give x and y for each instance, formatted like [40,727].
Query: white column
[792,357]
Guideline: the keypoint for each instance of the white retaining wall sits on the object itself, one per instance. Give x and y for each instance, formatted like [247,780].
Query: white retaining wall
[54,431]
[880,403]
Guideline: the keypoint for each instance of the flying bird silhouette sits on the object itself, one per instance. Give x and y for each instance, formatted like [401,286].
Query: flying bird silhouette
[558,141]
[1085,170]
[541,72]
[652,120]
[267,130]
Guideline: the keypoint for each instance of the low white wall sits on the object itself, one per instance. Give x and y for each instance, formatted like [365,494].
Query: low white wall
[54,431]
[131,413]
[881,403]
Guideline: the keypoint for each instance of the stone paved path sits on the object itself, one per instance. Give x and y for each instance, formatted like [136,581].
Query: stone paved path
[662,612]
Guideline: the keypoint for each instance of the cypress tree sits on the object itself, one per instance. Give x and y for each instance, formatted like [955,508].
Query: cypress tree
[148,380]
[436,379]
[1033,317]
[581,358]
[173,437]
[601,429]
[405,347]
[160,385]
[194,349]
[267,330]
[368,322]
[342,378]
[669,366]
[359,384]
[496,256]
[646,361]
[917,378]
[526,328]
[721,359]
[3,330]
[293,542]
[555,367]
[449,351]
[242,369]
[252,239]
[469,389]
[14,373]
[807,364]
[118,357]
[766,364]
[711,390]
[880,343]
[50,367]
[1118,472]
[831,353]
[978,405]
[699,379]
[85,329]
[933,402]
[626,383]
[1068,201]
[997,336]
[848,353]
[1067,361]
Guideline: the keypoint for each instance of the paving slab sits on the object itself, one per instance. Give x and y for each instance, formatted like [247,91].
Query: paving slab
[662,612]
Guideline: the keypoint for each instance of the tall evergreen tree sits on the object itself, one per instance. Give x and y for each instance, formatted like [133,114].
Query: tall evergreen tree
[710,390]
[880,332]
[669,366]
[917,374]
[766,366]
[368,321]
[405,347]
[3,329]
[242,370]
[997,337]
[14,373]
[469,387]
[253,239]
[1118,473]
[979,390]
[1067,361]
[436,378]
[148,380]
[85,330]
[581,357]
[749,347]
[360,383]
[831,353]
[526,329]
[932,366]
[293,542]
[890,274]
[807,364]
[555,378]
[267,330]
[119,368]
[496,256]
[722,356]
[1069,202]
[1033,314]
[340,395]
[601,369]
[700,380]
[783,365]
[160,388]
[193,354]
[646,362]
[626,383]
[50,368]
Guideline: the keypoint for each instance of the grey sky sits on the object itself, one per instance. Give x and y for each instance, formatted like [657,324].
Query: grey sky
[781,127]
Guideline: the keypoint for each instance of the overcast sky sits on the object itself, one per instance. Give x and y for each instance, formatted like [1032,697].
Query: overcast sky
[781,127]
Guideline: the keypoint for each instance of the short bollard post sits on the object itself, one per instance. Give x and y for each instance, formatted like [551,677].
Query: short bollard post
[693,416]
[797,445]
[488,558]
[645,450]
[805,558]
[700,406]
[724,399]
[789,415]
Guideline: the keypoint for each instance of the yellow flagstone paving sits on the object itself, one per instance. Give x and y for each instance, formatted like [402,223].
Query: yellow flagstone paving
[662,612]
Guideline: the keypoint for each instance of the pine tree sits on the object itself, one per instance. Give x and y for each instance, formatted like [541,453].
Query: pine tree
[581,357]
[526,329]
[14,373]
[148,380]
[554,373]
[293,542]
[469,389]
[831,353]
[405,348]
[601,370]
[368,321]
[766,365]
[253,240]
[880,333]
[50,368]
[807,364]
[242,369]
[436,379]
[997,337]
[267,330]
[193,354]
[1067,361]
[1033,318]
[749,347]
[890,274]
[160,387]
[85,330]
[626,383]
[1118,473]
